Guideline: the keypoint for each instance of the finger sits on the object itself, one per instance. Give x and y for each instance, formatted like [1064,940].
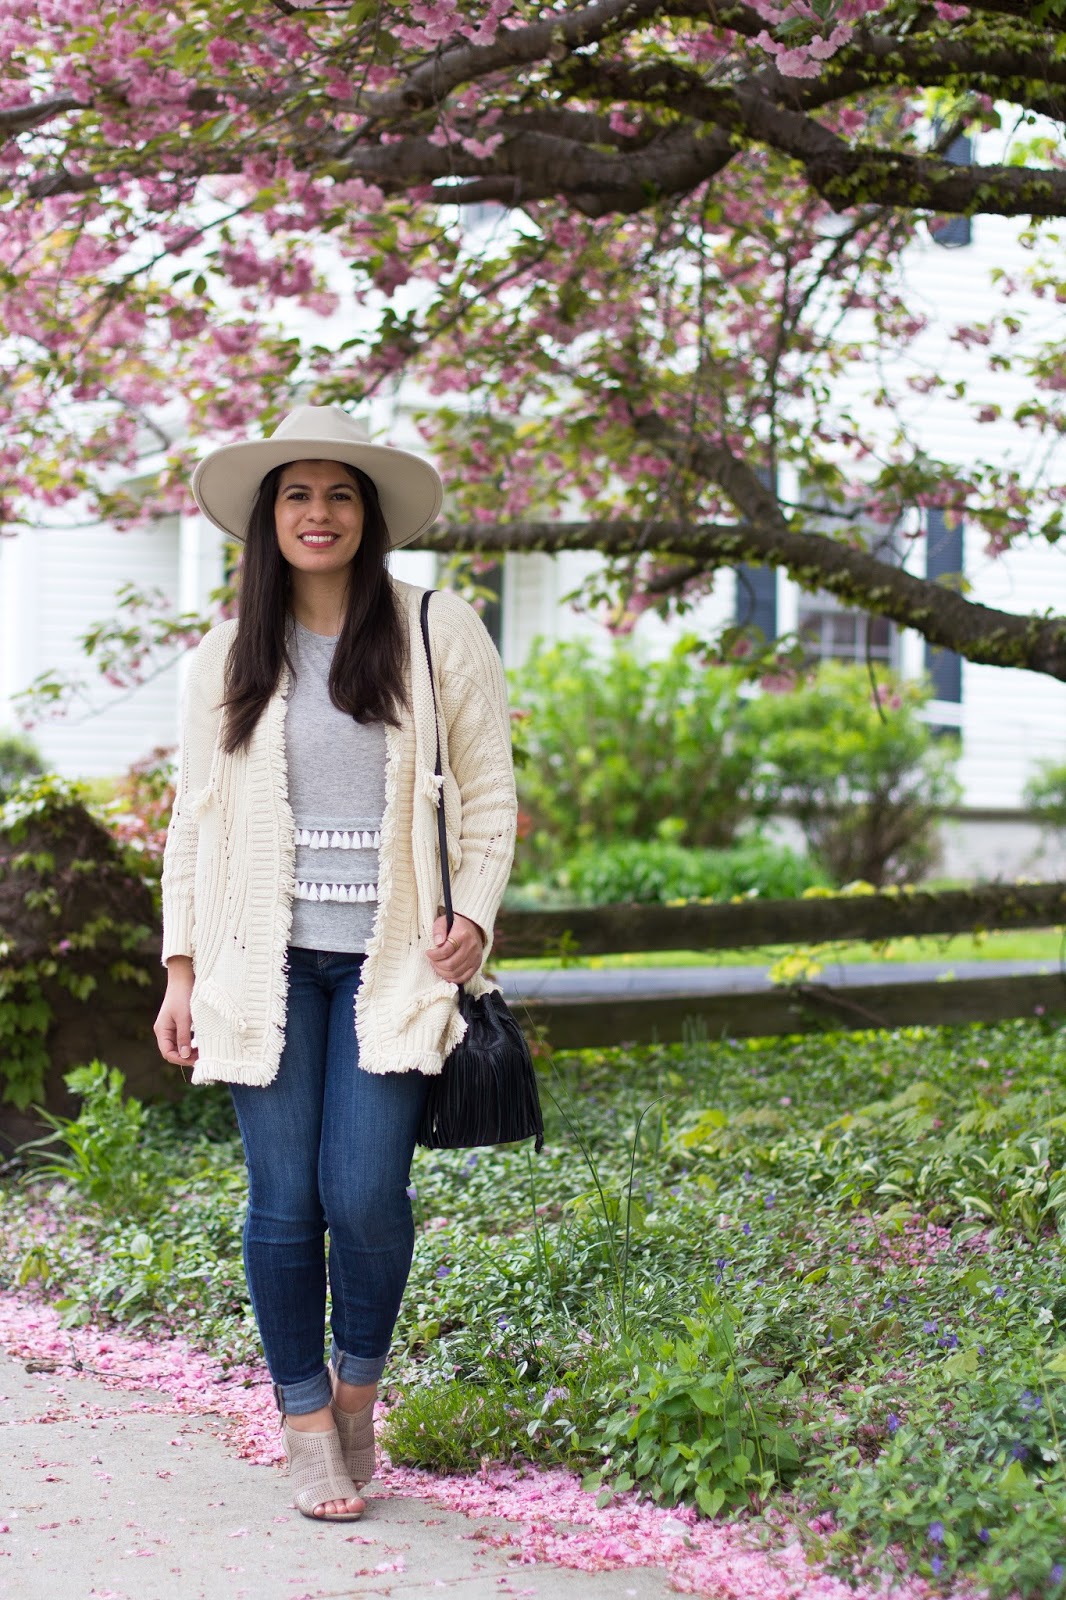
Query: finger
[447,967]
[456,971]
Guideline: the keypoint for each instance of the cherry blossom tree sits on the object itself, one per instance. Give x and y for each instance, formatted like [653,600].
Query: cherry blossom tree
[632,251]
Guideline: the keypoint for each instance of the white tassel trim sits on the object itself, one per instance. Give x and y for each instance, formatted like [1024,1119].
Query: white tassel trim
[336,839]
[346,893]
[431,784]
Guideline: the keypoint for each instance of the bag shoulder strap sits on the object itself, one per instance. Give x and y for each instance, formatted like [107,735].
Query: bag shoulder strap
[442,831]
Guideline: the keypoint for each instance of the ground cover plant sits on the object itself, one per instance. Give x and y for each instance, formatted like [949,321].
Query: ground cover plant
[821,1275]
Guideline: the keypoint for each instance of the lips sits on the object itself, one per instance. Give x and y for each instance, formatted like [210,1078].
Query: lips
[318,541]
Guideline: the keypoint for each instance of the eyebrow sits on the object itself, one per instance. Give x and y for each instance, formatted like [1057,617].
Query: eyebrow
[345,484]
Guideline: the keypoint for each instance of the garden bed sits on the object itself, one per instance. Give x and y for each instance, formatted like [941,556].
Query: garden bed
[819,1279]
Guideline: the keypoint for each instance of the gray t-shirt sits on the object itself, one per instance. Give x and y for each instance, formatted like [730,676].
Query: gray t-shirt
[337,793]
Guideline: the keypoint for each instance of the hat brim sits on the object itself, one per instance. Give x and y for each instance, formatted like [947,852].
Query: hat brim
[225,483]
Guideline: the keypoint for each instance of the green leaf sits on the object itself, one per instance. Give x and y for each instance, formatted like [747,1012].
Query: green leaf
[710,1501]
[963,1364]
[706,1400]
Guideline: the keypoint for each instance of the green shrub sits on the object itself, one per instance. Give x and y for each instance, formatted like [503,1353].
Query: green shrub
[19,758]
[658,871]
[699,1422]
[613,746]
[864,782]
[75,910]
[451,1427]
[102,1152]
[1045,793]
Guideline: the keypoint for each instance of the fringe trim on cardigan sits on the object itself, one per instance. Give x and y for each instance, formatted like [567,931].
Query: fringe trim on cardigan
[279,997]
[221,1070]
[393,746]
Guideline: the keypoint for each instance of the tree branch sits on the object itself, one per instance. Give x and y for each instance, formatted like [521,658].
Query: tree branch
[815,561]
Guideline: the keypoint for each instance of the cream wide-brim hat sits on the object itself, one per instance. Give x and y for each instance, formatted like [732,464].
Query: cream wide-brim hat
[226,482]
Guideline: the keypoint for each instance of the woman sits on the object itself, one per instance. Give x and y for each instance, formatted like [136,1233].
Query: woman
[309,965]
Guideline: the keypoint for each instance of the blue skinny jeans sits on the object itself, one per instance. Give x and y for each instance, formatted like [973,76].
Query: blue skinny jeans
[328,1148]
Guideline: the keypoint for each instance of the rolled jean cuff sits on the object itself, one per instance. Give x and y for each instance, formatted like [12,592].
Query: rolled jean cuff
[310,1394]
[357,1370]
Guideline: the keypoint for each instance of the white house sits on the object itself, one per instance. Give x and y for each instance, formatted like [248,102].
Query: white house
[55,584]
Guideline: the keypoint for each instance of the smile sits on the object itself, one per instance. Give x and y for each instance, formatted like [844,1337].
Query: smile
[319,538]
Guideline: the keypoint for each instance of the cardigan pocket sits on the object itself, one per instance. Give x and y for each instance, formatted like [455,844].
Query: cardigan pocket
[206,992]
[431,996]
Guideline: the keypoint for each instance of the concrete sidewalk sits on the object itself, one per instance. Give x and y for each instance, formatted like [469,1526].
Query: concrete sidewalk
[683,983]
[102,1501]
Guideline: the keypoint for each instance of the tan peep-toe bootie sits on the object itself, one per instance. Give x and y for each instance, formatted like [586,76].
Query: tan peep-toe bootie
[316,1466]
[356,1432]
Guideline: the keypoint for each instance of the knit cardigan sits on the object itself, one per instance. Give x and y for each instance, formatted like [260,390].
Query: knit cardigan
[229,861]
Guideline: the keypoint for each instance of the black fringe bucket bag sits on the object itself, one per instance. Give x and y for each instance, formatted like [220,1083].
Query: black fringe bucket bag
[487,1090]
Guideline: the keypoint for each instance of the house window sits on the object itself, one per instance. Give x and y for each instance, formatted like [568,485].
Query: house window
[830,629]
[488,577]
[834,632]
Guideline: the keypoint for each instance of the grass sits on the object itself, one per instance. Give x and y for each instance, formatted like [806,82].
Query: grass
[821,1274]
[1037,944]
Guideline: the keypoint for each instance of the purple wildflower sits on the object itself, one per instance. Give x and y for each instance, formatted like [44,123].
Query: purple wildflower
[936,1532]
[892,1422]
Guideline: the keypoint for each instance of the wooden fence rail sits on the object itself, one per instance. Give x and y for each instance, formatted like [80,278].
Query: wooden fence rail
[610,930]
[754,1008]
[585,1022]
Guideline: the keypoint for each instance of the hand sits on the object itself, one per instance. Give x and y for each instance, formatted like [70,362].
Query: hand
[456,956]
[173,1025]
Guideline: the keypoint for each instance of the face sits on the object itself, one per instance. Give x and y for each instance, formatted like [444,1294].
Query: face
[318,514]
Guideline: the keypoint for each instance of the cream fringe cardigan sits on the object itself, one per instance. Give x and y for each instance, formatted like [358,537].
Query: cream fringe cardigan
[228,866]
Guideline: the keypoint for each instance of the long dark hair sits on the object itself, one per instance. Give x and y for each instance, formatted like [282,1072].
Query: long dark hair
[368,675]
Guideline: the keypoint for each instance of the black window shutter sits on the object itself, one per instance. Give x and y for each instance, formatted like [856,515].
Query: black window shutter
[756,605]
[943,556]
[757,599]
[956,231]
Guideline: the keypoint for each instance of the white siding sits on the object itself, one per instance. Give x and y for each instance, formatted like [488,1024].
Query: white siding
[55,585]
[536,604]
[1011,719]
